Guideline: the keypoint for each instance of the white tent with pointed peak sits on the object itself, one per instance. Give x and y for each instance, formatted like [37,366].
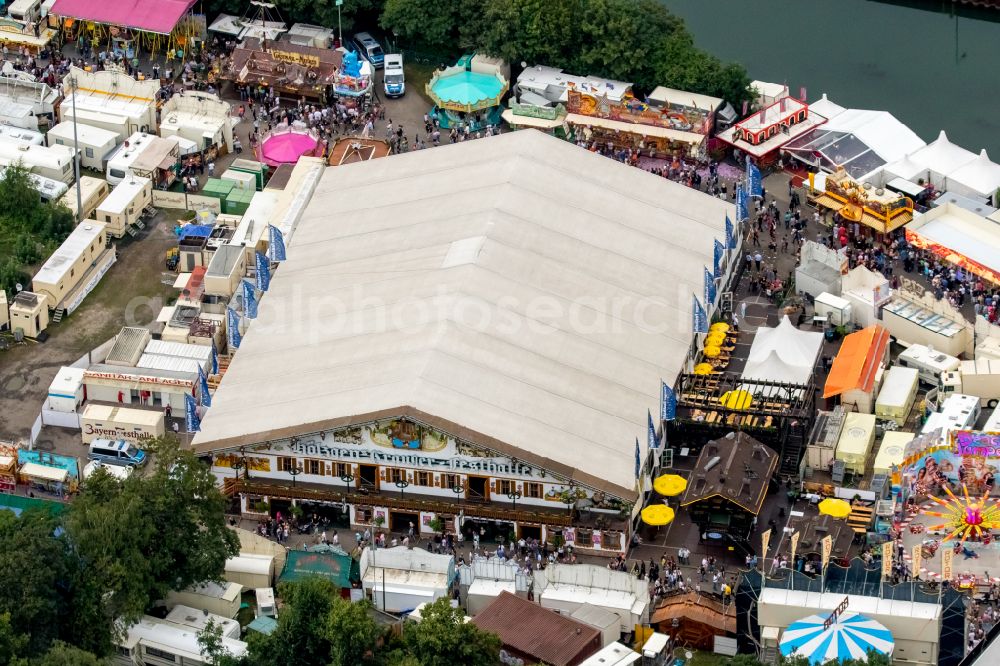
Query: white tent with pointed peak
[826,108]
[783,354]
[906,169]
[979,178]
[942,157]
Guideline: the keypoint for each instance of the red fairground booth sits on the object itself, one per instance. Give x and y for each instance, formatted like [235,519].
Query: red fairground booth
[763,133]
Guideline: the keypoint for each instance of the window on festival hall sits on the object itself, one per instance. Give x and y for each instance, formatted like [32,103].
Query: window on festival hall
[315,467]
[506,486]
[395,474]
[423,479]
[341,469]
[451,481]
[533,490]
[285,463]
[363,515]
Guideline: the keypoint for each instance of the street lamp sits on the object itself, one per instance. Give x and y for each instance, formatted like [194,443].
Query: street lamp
[458,489]
[513,496]
[348,480]
[569,499]
[238,464]
[402,484]
[295,470]
[76,158]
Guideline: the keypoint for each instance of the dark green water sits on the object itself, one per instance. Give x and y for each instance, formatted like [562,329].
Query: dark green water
[930,69]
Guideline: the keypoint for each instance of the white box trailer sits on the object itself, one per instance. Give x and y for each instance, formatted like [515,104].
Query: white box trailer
[66,392]
[980,378]
[95,144]
[250,570]
[899,391]
[92,192]
[958,412]
[993,422]
[218,598]
[20,136]
[891,450]
[856,440]
[837,310]
[929,362]
[121,209]
[55,162]
[135,426]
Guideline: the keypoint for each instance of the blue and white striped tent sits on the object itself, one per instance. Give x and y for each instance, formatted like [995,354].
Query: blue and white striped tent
[850,636]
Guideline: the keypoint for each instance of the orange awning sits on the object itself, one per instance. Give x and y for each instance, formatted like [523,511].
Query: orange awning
[858,362]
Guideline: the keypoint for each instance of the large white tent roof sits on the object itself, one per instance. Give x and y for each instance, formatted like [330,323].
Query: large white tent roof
[880,130]
[517,288]
[981,175]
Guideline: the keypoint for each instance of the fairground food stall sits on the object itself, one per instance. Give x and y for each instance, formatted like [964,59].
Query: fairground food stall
[881,209]
[289,69]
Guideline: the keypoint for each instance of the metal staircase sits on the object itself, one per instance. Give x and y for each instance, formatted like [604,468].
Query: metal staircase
[57,315]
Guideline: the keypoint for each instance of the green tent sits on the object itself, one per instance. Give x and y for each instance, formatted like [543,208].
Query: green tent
[333,564]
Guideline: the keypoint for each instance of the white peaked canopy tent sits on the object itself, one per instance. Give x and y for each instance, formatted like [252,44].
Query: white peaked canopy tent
[941,158]
[979,178]
[826,108]
[783,354]
[904,168]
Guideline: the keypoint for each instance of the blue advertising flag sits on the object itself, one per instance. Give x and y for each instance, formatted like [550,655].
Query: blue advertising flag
[191,420]
[651,440]
[717,253]
[753,180]
[668,403]
[699,316]
[249,300]
[276,244]
[263,272]
[638,459]
[709,287]
[206,397]
[730,235]
[742,204]
[233,329]
[215,359]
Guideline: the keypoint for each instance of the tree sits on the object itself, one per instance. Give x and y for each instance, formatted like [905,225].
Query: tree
[354,635]
[63,654]
[426,23]
[443,638]
[148,535]
[301,636]
[34,568]
[212,647]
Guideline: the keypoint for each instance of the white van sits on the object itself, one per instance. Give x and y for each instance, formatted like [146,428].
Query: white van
[928,362]
[370,49]
[27,11]
[394,81]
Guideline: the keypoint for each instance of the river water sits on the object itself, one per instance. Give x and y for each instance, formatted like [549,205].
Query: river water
[930,69]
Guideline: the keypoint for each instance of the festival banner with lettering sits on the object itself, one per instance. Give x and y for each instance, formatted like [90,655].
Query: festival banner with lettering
[826,547]
[795,546]
[916,559]
[887,558]
[947,557]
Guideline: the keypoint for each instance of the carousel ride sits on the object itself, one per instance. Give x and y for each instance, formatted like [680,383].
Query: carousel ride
[965,517]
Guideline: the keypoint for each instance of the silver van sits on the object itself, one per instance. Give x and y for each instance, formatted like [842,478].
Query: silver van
[116,452]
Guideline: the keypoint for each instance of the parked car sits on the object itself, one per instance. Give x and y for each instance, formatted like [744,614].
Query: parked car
[394,81]
[370,49]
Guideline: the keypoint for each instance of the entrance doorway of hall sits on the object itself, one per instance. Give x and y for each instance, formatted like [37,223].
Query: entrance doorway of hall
[479,489]
[400,521]
[530,532]
[368,476]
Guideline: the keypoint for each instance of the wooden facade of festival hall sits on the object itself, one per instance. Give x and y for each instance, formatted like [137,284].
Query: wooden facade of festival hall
[289,69]
[145,27]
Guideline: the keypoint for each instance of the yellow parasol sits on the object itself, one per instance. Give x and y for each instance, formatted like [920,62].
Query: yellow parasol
[715,339]
[720,326]
[670,485]
[657,515]
[703,369]
[736,400]
[711,351]
[836,508]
